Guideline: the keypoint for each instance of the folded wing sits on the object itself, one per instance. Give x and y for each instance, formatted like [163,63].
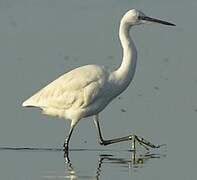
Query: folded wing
[77,88]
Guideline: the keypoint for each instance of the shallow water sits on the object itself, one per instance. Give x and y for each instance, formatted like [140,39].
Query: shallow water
[39,40]
[49,163]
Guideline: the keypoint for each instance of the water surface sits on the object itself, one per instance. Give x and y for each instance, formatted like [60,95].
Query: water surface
[39,40]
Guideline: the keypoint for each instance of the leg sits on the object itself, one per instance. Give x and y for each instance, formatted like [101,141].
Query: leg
[67,138]
[134,138]
[111,141]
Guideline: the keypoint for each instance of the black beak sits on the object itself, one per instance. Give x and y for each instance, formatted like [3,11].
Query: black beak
[145,18]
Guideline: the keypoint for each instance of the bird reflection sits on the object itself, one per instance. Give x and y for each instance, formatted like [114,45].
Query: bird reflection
[133,162]
[106,158]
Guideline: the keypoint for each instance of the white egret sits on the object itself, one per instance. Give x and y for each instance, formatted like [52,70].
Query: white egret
[87,90]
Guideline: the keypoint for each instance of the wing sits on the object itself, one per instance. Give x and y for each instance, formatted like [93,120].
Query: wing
[77,88]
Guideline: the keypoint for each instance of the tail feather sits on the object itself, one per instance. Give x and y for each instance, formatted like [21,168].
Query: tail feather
[28,103]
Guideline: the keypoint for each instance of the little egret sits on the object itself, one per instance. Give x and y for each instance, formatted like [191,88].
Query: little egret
[87,90]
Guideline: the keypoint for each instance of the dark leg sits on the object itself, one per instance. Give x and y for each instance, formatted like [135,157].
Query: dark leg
[67,138]
[134,138]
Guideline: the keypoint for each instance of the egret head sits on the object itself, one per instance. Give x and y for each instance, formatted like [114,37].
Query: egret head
[136,17]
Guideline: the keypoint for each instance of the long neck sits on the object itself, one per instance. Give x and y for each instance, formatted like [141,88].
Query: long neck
[125,72]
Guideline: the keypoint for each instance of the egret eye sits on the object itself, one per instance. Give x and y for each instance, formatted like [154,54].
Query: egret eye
[140,17]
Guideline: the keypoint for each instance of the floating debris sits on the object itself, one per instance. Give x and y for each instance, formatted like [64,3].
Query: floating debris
[66,58]
[110,57]
[12,22]
[19,59]
[156,88]
[164,78]
[166,60]
[123,110]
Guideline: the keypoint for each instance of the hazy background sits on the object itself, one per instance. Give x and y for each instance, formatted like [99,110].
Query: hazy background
[41,39]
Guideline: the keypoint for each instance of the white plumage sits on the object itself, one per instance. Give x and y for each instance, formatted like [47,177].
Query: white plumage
[71,95]
[87,90]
